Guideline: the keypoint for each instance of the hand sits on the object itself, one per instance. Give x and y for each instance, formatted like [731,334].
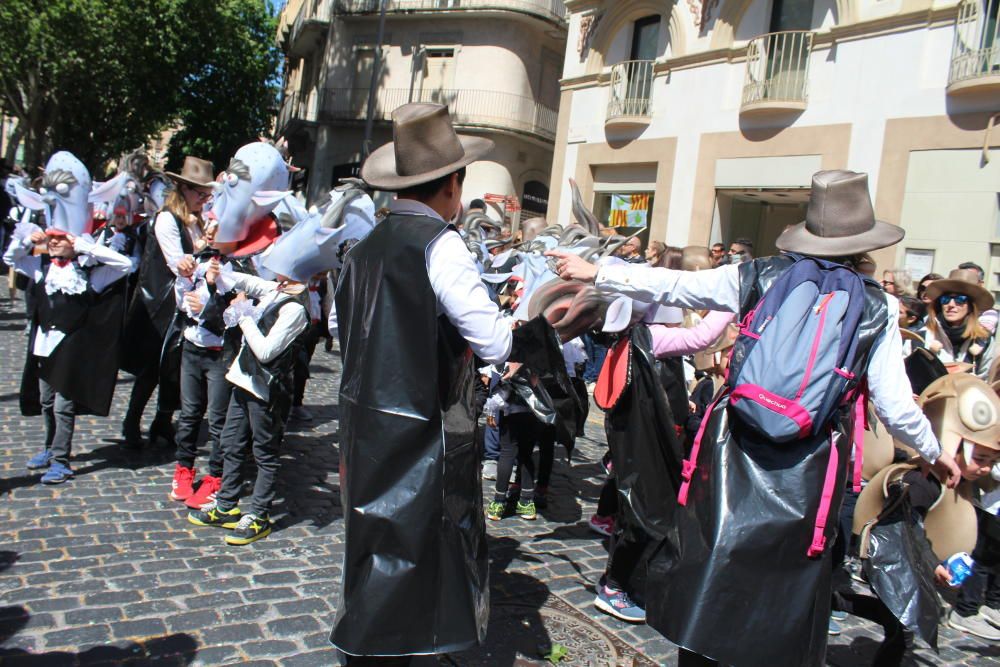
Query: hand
[573,267]
[37,237]
[512,368]
[485,379]
[213,271]
[491,421]
[240,296]
[186,266]
[946,470]
[193,302]
[942,575]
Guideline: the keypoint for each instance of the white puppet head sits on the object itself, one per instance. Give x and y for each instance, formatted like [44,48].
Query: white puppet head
[248,190]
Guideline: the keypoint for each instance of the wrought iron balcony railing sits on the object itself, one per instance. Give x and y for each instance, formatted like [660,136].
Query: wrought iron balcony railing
[631,94]
[313,18]
[975,51]
[470,108]
[553,10]
[777,74]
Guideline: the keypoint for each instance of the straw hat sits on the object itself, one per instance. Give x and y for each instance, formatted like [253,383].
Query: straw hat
[962,281]
[425,147]
[695,258]
[839,220]
[196,172]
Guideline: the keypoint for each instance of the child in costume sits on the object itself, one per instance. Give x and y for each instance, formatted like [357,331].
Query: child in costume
[70,313]
[908,523]
[263,372]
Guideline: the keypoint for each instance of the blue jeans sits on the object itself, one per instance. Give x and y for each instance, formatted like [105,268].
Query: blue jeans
[595,358]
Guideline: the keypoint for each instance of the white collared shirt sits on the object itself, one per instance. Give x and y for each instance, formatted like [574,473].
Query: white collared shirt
[719,289]
[169,238]
[461,295]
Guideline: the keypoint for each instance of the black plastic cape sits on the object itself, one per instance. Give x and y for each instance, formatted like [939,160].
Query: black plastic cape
[415,577]
[735,583]
[80,368]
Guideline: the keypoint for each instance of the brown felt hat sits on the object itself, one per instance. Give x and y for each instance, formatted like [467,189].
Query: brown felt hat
[839,220]
[196,172]
[962,281]
[425,147]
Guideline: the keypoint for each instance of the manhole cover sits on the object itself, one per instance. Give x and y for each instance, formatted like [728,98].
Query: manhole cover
[521,634]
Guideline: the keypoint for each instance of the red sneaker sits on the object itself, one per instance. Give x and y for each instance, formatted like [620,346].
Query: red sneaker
[181,488]
[205,493]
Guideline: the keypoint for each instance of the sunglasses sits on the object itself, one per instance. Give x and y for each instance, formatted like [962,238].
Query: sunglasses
[960,299]
[886,283]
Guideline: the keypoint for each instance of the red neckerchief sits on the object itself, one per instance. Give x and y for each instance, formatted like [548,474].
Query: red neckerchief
[61,261]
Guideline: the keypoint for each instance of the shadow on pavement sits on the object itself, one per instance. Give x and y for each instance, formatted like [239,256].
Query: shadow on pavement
[176,649]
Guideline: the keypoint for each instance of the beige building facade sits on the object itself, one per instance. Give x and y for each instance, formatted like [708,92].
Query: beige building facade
[703,120]
[495,63]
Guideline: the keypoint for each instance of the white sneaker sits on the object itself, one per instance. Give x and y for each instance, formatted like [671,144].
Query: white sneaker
[974,625]
[489,469]
[991,615]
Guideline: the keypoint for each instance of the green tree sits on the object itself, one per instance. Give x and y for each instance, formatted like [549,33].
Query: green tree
[100,77]
[231,97]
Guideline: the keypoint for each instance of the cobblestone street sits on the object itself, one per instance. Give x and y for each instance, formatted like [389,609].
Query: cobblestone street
[105,569]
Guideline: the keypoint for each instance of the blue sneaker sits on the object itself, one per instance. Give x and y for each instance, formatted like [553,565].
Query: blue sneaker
[40,460]
[57,473]
[834,628]
[838,615]
[618,604]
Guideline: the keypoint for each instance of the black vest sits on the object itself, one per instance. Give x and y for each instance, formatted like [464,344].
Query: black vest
[61,311]
[156,280]
[278,373]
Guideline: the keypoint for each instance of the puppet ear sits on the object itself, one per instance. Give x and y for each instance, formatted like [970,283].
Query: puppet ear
[108,190]
[29,198]
[269,197]
[619,315]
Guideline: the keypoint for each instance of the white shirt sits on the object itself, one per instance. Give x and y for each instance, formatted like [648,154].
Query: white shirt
[292,320]
[719,289]
[169,238]
[461,295]
[109,266]
[195,333]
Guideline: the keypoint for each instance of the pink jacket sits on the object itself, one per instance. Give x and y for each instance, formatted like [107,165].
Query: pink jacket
[678,341]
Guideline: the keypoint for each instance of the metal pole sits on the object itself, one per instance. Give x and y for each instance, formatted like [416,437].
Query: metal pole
[366,146]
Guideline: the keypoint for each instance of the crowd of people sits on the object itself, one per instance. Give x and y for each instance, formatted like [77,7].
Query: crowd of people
[775,425]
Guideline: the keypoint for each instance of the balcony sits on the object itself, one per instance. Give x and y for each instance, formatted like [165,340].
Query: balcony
[777,75]
[550,10]
[630,103]
[311,24]
[975,53]
[298,108]
[484,109]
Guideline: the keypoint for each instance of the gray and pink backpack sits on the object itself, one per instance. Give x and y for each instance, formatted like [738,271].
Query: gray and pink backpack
[796,364]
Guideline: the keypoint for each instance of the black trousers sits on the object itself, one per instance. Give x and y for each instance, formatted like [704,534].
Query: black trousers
[983,585]
[302,359]
[60,421]
[607,504]
[204,388]
[890,653]
[686,658]
[251,421]
[518,434]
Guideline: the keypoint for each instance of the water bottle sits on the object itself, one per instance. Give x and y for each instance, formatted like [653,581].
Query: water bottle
[960,567]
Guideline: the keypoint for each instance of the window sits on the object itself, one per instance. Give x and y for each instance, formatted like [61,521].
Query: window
[918,262]
[626,212]
[791,15]
[645,38]
[438,75]
[536,198]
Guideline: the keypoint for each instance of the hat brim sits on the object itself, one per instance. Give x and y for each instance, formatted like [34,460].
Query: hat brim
[379,170]
[979,295]
[177,178]
[801,240]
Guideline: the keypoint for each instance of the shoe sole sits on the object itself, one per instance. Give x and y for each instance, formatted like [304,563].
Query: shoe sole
[44,467]
[61,480]
[599,532]
[229,525]
[528,517]
[956,626]
[179,499]
[240,541]
[611,611]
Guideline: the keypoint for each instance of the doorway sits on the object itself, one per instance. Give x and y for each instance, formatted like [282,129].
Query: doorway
[759,215]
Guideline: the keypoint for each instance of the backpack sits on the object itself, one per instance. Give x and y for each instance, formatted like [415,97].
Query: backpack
[796,363]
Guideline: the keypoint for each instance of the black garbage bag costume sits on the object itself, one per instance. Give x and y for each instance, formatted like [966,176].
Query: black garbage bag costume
[76,368]
[415,577]
[739,556]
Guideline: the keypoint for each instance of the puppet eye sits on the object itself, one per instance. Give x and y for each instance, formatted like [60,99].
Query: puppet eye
[232,180]
[976,410]
[63,188]
[43,191]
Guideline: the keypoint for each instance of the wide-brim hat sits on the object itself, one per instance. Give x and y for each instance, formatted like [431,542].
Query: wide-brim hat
[424,147]
[196,172]
[840,220]
[962,281]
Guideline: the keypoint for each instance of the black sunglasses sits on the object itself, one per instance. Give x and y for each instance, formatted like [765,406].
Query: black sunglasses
[960,299]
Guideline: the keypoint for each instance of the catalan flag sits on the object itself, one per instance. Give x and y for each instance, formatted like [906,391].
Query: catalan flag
[629,210]
[640,201]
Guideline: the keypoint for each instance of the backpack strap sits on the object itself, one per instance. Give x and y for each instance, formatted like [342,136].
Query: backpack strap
[860,426]
[690,464]
[826,500]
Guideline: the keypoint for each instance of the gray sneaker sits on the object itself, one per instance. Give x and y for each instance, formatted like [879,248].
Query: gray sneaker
[974,625]
[990,614]
[489,469]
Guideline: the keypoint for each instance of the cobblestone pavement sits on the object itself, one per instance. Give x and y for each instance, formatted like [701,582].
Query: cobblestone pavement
[105,569]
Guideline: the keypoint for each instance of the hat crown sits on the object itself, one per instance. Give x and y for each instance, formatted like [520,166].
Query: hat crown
[424,139]
[965,275]
[839,204]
